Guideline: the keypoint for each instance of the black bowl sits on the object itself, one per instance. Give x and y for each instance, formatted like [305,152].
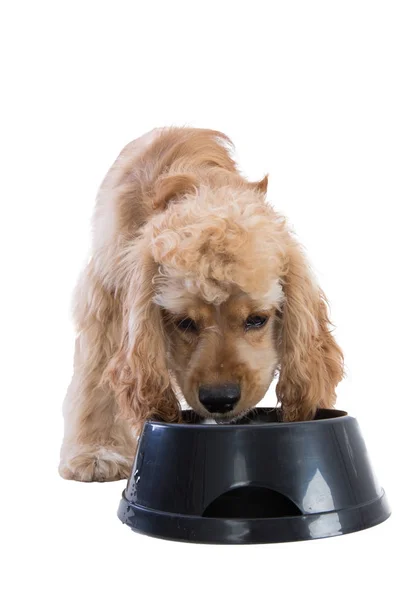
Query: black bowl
[254,481]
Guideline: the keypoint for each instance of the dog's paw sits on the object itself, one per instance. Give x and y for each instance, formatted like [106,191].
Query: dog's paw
[95,464]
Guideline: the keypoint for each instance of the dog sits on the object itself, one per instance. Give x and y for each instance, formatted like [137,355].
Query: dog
[196,289]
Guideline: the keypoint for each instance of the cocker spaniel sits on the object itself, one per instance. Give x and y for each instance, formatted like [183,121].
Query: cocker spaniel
[195,289]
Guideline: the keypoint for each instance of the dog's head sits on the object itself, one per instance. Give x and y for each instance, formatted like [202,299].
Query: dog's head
[220,297]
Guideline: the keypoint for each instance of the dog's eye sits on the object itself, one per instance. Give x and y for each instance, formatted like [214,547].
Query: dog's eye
[255,322]
[187,325]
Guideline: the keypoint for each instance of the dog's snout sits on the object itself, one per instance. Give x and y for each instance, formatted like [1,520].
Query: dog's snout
[219,398]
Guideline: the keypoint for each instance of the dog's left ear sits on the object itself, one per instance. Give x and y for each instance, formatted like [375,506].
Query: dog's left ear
[311,362]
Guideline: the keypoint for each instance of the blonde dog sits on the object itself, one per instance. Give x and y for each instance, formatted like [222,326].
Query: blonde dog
[196,289]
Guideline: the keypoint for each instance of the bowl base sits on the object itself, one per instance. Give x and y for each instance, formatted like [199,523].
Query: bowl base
[289,528]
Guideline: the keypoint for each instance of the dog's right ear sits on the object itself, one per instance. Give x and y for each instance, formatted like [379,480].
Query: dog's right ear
[138,371]
[172,186]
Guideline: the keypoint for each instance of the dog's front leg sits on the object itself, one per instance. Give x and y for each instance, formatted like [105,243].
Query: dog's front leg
[98,445]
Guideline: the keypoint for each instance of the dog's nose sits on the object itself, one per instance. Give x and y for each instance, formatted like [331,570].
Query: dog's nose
[219,398]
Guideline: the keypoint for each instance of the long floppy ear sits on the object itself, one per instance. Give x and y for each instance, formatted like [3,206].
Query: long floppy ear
[311,361]
[138,372]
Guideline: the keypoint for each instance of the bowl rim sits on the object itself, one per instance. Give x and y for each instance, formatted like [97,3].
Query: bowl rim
[339,417]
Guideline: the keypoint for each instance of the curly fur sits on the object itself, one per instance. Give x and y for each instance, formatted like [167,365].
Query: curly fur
[178,232]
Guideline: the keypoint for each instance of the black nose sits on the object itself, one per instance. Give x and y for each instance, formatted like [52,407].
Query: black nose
[219,398]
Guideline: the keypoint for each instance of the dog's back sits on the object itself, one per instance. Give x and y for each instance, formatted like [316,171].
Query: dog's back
[156,168]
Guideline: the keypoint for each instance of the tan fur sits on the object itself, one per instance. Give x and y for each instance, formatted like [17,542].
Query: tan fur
[179,233]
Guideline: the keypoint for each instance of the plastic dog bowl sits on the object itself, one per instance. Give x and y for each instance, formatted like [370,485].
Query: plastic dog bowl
[255,481]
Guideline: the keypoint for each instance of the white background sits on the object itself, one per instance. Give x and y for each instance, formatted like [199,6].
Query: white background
[309,92]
